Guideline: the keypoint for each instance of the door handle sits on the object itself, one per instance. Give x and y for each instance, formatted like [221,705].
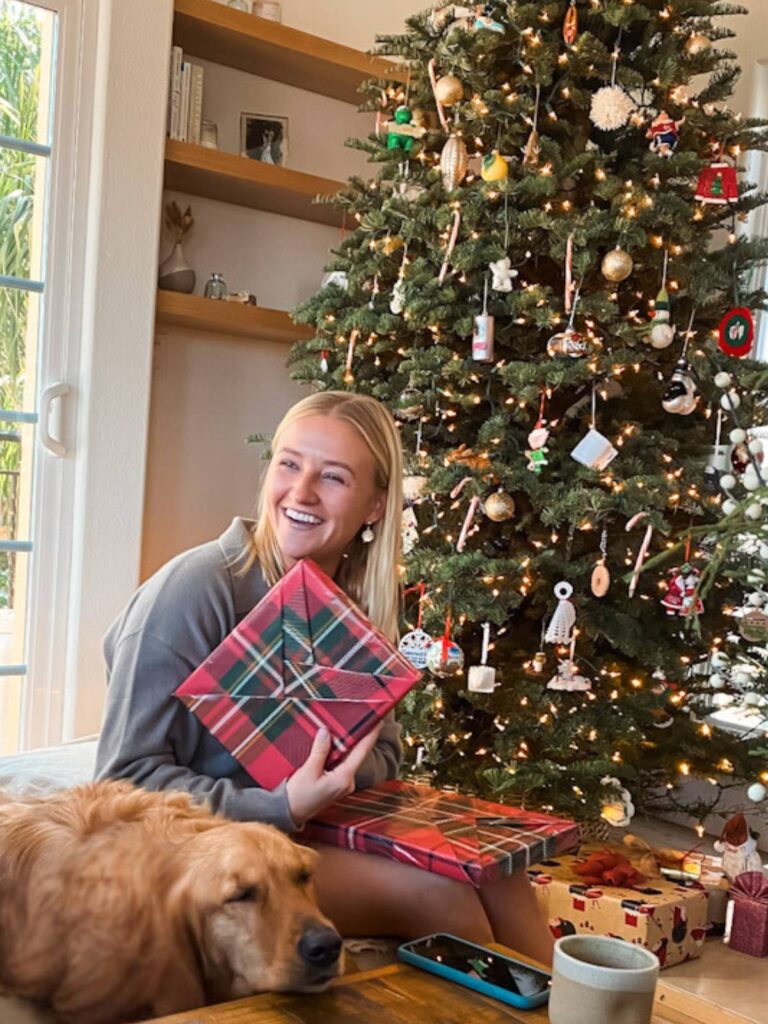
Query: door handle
[51,394]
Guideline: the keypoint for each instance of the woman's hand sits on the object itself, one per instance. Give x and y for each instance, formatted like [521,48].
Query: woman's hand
[311,788]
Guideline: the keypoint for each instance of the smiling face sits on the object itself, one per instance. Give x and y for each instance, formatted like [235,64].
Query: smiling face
[320,490]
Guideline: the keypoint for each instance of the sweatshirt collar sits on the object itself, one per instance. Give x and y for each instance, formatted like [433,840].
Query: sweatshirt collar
[247,588]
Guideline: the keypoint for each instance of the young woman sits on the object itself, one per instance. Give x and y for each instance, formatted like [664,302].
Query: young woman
[333,493]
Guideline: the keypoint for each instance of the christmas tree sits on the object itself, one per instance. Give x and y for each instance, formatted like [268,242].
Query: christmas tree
[543,278]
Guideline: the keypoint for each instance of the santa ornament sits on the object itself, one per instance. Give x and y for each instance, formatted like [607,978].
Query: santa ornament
[738,848]
[680,598]
[664,134]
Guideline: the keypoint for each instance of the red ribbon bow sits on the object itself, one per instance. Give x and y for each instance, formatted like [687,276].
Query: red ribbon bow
[608,868]
[750,885]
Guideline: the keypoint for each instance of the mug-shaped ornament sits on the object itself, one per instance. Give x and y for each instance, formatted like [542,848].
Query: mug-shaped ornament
[567,343]
[737,333]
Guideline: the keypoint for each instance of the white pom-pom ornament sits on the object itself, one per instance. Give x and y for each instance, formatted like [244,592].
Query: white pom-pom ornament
[730,400]
[717,682]
[722,700]
[755,446]
[754,511]
[738,436]
[751,480]
[757,792]
[727,481]
[611,108]
[756,600]
[720,659]
[730,506]
[723,379]
[752,700]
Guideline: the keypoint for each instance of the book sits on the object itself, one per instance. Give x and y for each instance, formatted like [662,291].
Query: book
[186,81]
[305,658]
[174,92]
[196,105]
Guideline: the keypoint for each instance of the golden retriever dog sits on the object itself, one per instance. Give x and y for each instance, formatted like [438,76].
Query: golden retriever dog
[117,904]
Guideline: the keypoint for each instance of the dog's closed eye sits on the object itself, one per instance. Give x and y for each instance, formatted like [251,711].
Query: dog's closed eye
[247,895]
[303,876]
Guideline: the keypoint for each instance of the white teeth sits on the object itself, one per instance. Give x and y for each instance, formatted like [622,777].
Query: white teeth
[302,517]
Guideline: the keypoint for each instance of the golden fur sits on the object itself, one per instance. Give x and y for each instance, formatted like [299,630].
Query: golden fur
[117,903]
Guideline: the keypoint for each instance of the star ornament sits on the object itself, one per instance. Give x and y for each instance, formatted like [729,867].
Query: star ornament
[503,275]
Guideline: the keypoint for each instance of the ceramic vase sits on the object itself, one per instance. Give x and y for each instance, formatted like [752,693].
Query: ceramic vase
[175,274]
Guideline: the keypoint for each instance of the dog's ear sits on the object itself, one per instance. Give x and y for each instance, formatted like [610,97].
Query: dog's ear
[181,947]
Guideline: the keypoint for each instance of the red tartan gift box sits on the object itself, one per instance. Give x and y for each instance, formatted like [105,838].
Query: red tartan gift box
[458,836]
[749,914]
[305,657]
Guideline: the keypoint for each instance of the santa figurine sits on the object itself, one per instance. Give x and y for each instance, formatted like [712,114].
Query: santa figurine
[664,134]
[680,598]
[738,848]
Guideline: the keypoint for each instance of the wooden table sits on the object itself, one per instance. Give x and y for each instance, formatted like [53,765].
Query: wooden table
[400,994]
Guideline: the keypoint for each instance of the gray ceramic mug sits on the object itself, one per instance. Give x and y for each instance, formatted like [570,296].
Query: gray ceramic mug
[601,979]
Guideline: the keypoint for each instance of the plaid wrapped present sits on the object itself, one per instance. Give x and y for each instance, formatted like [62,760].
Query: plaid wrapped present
[461,837]
[304,658]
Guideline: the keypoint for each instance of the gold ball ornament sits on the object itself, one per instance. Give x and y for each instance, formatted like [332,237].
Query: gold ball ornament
[390,244]
[617,265]
[697,44]
[495,168]
[449,90]
[499,506]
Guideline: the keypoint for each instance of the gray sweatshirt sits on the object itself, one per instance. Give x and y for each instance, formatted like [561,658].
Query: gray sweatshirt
[170,626]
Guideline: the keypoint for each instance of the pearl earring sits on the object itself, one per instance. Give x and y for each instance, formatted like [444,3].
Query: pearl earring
[367,535]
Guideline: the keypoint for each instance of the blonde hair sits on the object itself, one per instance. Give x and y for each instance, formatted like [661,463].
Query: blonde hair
[368,573]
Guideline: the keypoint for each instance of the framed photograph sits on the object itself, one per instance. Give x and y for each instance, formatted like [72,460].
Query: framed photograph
[264,137]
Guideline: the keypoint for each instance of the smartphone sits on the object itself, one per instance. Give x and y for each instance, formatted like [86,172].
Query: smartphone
[478,968]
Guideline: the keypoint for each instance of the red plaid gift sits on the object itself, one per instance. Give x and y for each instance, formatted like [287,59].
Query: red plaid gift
[749,910]
[458,836]
[304,658]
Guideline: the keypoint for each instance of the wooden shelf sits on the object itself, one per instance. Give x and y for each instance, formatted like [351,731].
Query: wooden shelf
[236,179]
[267,48]
[228,318]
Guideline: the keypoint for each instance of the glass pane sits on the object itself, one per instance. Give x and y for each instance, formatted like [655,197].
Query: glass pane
[26,34]
[11,690]
[20,314]
[22,209]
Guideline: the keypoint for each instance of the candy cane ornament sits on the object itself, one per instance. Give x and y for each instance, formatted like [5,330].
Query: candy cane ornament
[642,553]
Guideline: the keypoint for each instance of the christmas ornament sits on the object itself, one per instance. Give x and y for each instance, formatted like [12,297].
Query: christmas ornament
[697,44]
[664,134]
[571,24]
[414,647]
[723,379]
[737,332]
[730,400]
[401,132]
[753,627]
[662,333]
[503,275]
[716,464]
[532,150]
[567,343]
[594,451]
[494,167]
[538,663]
[537,459]
[445,658]
[538,437]
[324,361]
[567,678]
[449,90]
[397,302]
[454,162]
[757,792]
[483,335]
[499,507]
[349,376]
[617,265]
[680,598]
[452,239]
[411,406]
[619,810]
[562,622]
[738,848]
[338,278]
[390,244]
[601,577]
[680,395]
[482,677]
[642,553]
[414,487]
[465,456]
[410,530]
[461,543]
[718,184]
[611,108]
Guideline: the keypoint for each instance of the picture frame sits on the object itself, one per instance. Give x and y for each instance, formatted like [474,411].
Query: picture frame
[264,137]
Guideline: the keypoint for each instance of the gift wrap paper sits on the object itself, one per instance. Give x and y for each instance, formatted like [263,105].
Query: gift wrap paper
[669,919]
[749,907]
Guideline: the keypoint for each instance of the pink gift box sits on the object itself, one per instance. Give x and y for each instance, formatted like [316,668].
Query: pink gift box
[749,927]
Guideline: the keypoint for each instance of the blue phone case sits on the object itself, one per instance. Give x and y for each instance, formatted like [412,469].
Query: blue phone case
[406,954]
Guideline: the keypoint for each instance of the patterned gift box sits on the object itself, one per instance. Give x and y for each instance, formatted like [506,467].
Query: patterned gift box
[670,919]
[749,914]
[461,837]
[305,657]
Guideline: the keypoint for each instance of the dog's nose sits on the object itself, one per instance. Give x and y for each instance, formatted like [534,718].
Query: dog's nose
[320,947]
